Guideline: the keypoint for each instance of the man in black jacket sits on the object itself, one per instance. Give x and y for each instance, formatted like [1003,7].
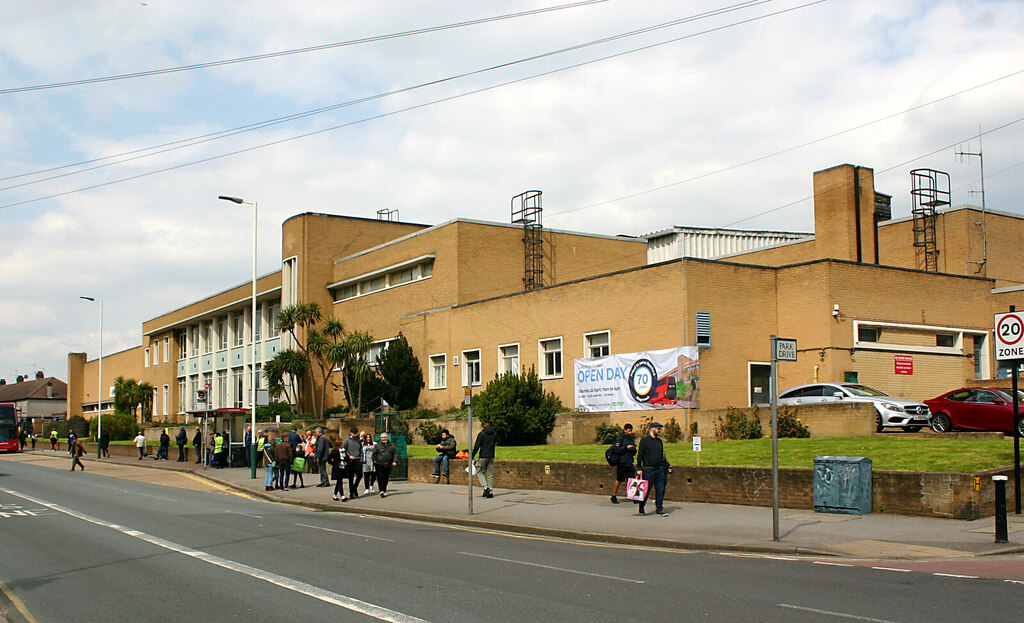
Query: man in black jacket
[485,442]
[181,439]
[320,452]
[624,449]
[446,451]
[651,459]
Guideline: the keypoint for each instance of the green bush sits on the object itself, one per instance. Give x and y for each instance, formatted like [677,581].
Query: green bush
[672,433]
[737,426]
[400,370]
[518,408]
[120,426]
[430,432]
[423,414]
[788,424]
[76,423]
[607,433]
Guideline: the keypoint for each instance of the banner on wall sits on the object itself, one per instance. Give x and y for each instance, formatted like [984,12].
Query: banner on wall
[656,379]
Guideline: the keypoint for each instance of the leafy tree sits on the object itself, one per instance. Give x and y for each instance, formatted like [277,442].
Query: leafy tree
[287,364]
[519,409]
[401,373]
[350,356]
[295,319]
[144,392]
[130,396]
[119,426]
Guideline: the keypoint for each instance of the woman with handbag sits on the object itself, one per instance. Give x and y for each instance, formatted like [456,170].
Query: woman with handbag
[369,469]
[336,459]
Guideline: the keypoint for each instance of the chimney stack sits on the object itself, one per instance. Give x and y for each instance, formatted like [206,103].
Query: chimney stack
[19,379]
[40,375]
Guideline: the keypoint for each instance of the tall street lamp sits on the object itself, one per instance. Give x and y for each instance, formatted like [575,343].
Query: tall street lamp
[252,333]
[99,383]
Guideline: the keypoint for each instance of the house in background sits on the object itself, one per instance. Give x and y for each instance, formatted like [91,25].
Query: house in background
[43,398]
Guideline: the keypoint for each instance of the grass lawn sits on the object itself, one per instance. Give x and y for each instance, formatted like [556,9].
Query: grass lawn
[888,453]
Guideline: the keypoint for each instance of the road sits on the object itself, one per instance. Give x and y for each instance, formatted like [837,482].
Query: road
[112,547]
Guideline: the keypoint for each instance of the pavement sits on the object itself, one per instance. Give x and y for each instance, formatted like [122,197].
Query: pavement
[688,525]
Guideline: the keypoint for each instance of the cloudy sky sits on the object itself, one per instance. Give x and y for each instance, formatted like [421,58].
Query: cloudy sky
[630,115]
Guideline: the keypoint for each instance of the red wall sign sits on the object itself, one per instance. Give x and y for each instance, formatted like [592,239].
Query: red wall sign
[904,364]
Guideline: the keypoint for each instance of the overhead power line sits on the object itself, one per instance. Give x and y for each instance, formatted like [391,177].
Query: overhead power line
[315,48]
[189,142]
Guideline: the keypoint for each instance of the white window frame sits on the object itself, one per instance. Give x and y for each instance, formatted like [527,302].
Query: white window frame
[147,358]
[542,353]
[222,333]
[238,327]
[503,359]
[156,352]
[193,339]
[588,345]
[182,395]
[167,349]
[472,368]
[376,350]
[438,364]
[183,344]
[167,399]
[275,329]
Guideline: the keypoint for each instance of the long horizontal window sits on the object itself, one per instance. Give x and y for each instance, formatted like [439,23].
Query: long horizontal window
[384,279]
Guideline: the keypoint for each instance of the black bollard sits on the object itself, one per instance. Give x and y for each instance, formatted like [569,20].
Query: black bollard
[1000,482]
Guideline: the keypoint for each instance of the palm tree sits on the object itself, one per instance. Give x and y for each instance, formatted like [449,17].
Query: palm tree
[287,364]
[320,344]
[350,356]
[145,400]
[297,318]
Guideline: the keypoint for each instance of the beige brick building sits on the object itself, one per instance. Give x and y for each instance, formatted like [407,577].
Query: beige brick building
[851,294]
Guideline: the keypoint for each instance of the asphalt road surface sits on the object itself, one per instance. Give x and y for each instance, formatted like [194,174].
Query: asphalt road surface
[94,547]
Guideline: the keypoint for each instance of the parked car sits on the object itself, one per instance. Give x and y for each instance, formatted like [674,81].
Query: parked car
[909,415]
[976,408]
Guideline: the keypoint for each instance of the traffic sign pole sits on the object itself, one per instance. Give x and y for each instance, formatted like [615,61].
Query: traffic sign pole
[1010,346]
[775,441]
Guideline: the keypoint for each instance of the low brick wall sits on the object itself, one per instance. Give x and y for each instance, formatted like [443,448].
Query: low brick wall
[903,493]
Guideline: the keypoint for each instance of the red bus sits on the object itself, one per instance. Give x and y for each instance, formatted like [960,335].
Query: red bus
[8,427]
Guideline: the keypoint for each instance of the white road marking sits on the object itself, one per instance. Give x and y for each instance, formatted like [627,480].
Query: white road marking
[842,615]
[362,536]
[534,564]
[343,601]
[831,564]
[954,575]
[891,569]
[245,514]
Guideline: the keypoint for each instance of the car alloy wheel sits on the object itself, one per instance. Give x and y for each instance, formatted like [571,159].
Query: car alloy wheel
[941,423]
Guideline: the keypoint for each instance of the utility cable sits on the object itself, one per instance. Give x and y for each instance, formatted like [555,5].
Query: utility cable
[315,48]
[188,142]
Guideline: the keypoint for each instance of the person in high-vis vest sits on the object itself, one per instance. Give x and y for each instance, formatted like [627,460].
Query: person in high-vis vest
[218,450]
[261,443]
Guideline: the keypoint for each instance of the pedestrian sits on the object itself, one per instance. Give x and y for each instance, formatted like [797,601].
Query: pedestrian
[309,448]
[283,454]
[53,439]
[268,461]
[654,467]
[624,449]
[33,437]
[261,444]
[485,442]
[247,444]
[295,441]
[321,448]
[180,440]
[140,444]
[385,456]
[197,445]
[71,440]
[353,449]
[446,451]
[165,446]
[337,460]
[105,444]
[76,455]
[219,450]
[22,440]
[369,469]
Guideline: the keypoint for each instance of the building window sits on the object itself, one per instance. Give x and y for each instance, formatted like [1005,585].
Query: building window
[167,349]
[183,345]
[867,334]
[259,375]
[193,339]
[945,340]
[147,358]
[238,326]
[275,329]
[237,386]
[208,337]
[551,358]
[471,367]
[259,323]
[193,386]
[597,344]
[222,333]
[221,393]
[704,329]
[508,358]
[156,352]
[376,351]
[167,399]
[438,371]
[182,395]
[409,272]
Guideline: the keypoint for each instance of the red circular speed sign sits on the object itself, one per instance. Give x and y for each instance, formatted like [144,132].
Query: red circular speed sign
[1010,329]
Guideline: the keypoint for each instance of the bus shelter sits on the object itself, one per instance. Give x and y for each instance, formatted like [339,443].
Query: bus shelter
[225,420]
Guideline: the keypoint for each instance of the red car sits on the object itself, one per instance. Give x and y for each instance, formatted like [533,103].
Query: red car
[976,408]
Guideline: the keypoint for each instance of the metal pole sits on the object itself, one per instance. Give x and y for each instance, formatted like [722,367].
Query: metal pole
[469,433]
[1001,532]
[252,363]
[99,393]
[1016,438]
[775,446]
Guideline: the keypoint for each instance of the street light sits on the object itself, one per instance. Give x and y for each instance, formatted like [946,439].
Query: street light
[99,383]
[252,327]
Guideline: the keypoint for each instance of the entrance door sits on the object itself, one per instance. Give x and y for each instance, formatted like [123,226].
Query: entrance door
[759,376]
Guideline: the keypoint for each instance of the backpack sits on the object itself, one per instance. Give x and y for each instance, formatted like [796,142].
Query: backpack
[611,456]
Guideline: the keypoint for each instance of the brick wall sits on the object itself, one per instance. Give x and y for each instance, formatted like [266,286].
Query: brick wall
[902,493]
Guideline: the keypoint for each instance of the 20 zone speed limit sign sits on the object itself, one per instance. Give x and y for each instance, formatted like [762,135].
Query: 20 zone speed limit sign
[1009,336]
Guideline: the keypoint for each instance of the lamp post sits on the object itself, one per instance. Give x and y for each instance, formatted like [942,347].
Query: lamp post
[99,383]
[252,334]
